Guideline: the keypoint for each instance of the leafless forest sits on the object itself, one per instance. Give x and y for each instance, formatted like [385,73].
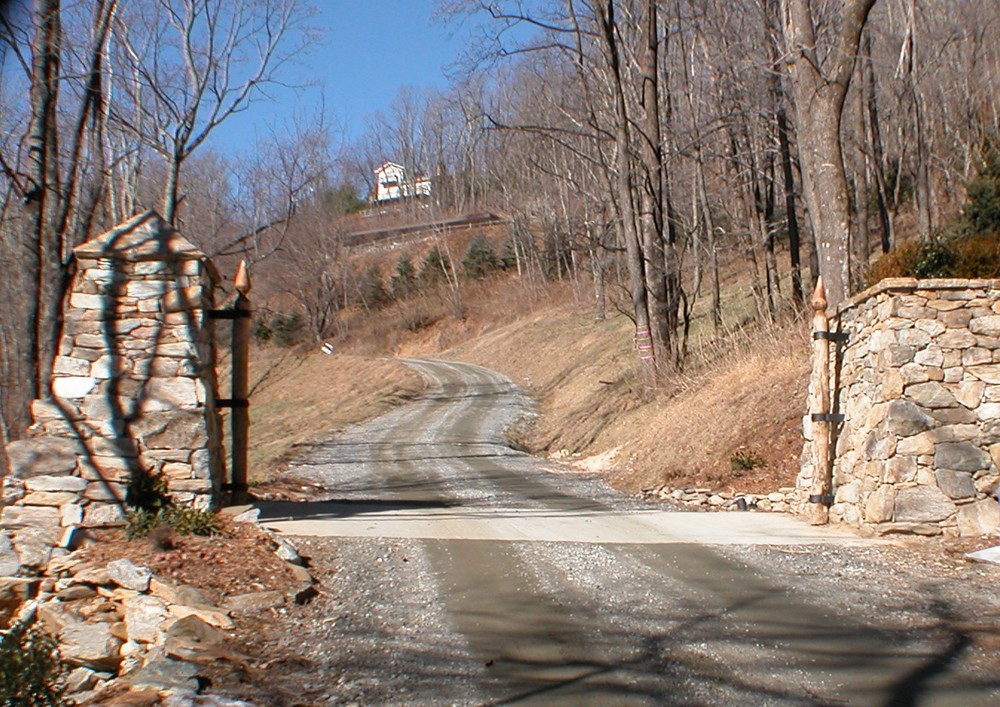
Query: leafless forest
[649,148]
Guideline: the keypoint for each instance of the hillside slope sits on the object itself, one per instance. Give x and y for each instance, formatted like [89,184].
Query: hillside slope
[583,376]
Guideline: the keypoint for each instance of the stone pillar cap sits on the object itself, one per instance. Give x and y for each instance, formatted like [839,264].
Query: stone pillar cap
[145,236]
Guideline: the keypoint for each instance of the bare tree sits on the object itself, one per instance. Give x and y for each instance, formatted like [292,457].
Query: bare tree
[820,76]
[186,66]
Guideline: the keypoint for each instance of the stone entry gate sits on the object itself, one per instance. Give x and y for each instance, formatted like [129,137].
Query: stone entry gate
[918,384]
[133,394]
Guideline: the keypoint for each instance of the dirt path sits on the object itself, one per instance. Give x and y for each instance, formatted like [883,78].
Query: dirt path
[469,573]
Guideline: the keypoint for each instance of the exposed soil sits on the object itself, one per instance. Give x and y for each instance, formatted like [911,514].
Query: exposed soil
[240,560]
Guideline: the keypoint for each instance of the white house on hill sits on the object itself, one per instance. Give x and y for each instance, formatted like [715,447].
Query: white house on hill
[392,183]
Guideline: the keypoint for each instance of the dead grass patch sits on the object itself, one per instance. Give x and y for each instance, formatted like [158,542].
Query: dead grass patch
[301,396]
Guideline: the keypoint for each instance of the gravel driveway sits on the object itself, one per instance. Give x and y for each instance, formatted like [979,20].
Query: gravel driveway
[530,603]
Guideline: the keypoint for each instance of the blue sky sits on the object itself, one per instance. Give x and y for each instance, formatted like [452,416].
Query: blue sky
[369,49]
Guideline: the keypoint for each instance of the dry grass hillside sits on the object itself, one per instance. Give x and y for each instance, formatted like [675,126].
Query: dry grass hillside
[744,396]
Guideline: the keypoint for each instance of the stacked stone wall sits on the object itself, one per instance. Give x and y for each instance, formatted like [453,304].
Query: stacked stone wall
[918,383]
[133,394]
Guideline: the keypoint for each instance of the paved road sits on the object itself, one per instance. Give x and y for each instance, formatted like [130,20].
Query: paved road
[526,586]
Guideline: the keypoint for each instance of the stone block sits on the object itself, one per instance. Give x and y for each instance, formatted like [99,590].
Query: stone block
[180,350]
[913,373]
[895,356]
[931,325]
[879,505]
[56,483]
[900,469]
[162,394]
[930,395]
[970,393]
[109,366]
[172,430]
[143,618]
[960,456]
[71,514]
[988,373]
[987,326]
[201,464]
[209,614]
[954,374]
[976,356]
[10,563]
[183,300]
[922,504]
[931,356]
[892,385]
[73,387]
[848,493]
[956,318]
[90,645]
[190,485]
[956,339]
[49,410]
[146,289]
[953,416]
[106,491]
[980,518]
[177,470]
[914,337]
[29,517]
[905,419]
[95,340]
[927,529]
[34,544]
[79,300]
[49,498]
[955,484]
[879,446]
[955,433]
[69,366]
[127,574]
[104,515]
[952,359]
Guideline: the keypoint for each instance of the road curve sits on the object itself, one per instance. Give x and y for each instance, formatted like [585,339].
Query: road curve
[498,581]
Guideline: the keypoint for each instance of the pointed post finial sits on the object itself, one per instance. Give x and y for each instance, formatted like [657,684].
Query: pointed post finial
[819,300]
[242,279]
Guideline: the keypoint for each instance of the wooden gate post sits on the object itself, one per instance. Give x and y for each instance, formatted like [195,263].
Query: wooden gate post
[819,406]
[240,401]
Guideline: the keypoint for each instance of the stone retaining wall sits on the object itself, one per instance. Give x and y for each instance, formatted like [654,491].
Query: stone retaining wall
[133,394]
[918,382]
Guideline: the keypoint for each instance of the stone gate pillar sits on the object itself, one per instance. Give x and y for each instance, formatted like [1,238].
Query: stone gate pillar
[133,389]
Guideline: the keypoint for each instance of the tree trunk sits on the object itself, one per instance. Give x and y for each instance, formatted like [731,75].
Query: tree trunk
[626,202]
[41,202]
[878,159]
[819,91]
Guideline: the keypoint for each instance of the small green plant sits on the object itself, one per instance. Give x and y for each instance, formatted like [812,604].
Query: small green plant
[745,460]
[192,521]
[141,522]
[286,328]
[480,259]
[31,671]
[186,521]
[404,281]
[151,508]
[261,330]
